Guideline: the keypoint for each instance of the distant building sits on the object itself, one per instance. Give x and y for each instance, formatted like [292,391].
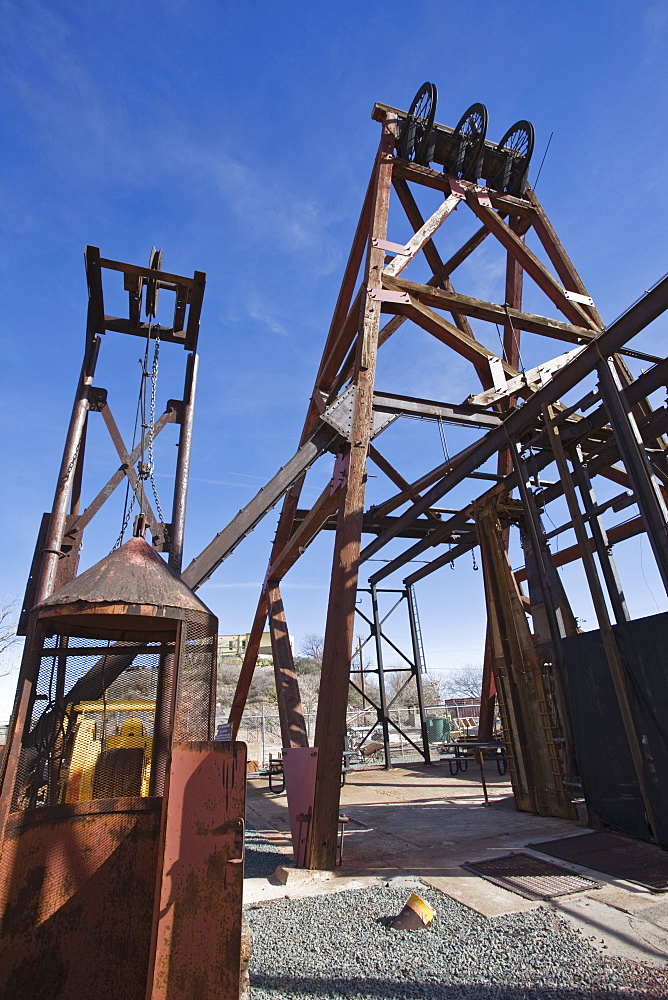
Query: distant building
[234,646]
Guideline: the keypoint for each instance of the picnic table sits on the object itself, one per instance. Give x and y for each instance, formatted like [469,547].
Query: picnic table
[459,753]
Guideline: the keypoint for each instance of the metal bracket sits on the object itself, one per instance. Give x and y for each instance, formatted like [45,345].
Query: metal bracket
[387,295]
[177,406]
[97,398]
[459,189]
[583,300]
[389,247]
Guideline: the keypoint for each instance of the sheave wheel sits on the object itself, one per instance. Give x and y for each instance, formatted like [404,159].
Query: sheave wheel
[470,132]
[413,141]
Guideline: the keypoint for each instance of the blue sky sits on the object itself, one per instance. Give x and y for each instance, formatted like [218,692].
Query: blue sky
[238,138]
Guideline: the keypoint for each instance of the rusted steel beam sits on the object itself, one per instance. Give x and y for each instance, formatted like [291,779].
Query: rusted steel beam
[203,565]
[455,552]
[343,302]
[436,179]
[169,416]
[423,235]
[531,264]
[174,543]
[290,711]
[325,506]
[341,345]
[560,260]
[537,772]
[451,336]
[248,666]
[339,631]
[437,298]
[643,312]
[442,533]
[600,537]
[636,462]
[487,690]
[429,409]
[432,256]
[425,481]
[137,486]
[465,251]
[396,477]
[57,522]
[374,525]
[617,534]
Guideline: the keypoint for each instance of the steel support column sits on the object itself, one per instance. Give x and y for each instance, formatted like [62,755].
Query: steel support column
[417,658]
[177,526]
[291,713]
[339,631]
[382,693]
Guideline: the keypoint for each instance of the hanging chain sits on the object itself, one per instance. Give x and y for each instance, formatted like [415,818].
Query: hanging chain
[145,469]
[126,521]
[151,432]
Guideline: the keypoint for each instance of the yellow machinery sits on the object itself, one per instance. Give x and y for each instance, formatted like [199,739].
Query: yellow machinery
[113,732]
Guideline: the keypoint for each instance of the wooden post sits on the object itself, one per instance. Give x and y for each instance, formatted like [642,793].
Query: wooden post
[248,666]
[504,466]
[291,713]
[339,631]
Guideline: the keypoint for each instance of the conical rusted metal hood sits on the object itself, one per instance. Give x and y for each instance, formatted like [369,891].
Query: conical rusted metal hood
[134,574]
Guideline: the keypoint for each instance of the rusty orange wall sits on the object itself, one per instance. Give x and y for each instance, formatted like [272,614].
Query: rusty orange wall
[76,897]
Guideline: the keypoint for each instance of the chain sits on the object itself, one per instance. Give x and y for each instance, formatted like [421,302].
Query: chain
[145,470]
[126,521]
[66,475]
[151,432]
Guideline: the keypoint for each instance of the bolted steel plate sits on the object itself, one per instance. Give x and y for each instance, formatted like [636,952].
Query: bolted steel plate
[530,877]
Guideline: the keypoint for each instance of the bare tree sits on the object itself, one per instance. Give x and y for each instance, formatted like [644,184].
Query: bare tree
[312,646]
[309,686]
[8,623]
[463,683]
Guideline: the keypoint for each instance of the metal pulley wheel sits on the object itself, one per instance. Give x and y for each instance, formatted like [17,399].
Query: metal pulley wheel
[413,142]
[516,148]
[469,135]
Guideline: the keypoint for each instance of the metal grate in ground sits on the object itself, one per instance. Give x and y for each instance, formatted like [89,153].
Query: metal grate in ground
[530,877]
[613,854]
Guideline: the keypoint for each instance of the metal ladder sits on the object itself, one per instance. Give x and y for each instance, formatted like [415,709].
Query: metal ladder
[421,665]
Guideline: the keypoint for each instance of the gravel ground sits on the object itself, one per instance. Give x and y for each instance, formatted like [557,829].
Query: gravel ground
[261,858]
[340,945]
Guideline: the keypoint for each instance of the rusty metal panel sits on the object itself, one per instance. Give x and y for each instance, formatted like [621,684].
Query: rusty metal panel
[76,895]
[131,574]
[197,932]
[299,767]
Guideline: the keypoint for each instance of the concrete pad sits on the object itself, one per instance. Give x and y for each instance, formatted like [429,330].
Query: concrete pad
[484,897]
[421,822]
[262,890]
[629,898]
[613,932]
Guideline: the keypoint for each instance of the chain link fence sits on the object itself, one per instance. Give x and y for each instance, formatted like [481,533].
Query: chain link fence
[456,717]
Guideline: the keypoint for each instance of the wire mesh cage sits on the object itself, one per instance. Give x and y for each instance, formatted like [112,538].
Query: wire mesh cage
[114,683]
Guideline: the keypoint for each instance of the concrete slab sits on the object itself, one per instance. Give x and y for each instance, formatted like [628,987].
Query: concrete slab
[421,822]
[614,932]
[484,897]
[262,890]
